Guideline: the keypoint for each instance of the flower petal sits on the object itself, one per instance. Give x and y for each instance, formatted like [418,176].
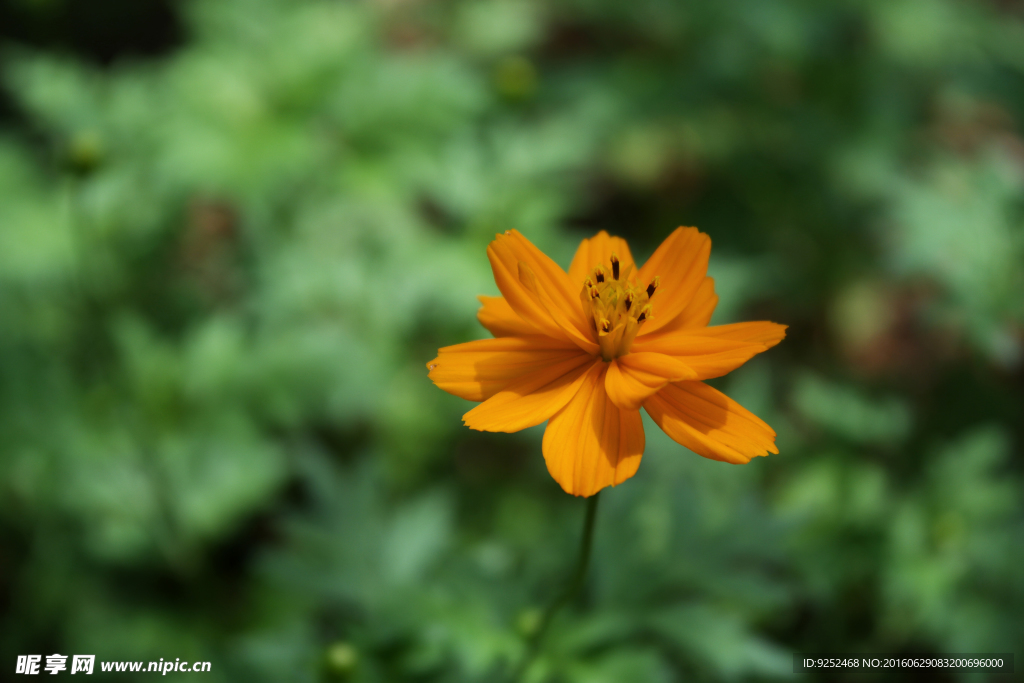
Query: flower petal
[710,423]
[597,251]
[591,443]
[698,312]
[500,320]
[715,351]
[681,261]
[552,304]
[532,399]
[584,339]
[478,370]
[763,331]
[520,299]
[635,376]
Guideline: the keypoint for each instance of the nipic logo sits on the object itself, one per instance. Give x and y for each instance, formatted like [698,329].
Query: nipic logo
[84,664]
[55,663]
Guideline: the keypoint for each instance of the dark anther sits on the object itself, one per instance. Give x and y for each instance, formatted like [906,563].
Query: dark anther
[650,290]
[600,277]
[642,317]
[629,301]
[605,326]
[615,267]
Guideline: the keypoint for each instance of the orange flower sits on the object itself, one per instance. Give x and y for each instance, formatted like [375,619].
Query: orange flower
[586,349]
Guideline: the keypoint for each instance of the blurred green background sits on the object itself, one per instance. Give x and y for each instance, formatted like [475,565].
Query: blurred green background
[232,232]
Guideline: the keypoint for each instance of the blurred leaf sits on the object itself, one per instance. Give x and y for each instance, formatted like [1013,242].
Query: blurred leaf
[850,414]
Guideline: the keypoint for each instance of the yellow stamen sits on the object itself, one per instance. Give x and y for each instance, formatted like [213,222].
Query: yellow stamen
[616,307]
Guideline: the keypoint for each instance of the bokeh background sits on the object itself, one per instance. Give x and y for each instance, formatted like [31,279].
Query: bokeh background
[232,233]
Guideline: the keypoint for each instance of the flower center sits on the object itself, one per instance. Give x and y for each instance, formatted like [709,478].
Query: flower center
[616,307]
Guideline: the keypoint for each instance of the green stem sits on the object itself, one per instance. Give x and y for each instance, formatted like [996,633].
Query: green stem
[571,588]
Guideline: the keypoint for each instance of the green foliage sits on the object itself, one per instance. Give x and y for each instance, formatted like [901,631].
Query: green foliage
[222,271]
